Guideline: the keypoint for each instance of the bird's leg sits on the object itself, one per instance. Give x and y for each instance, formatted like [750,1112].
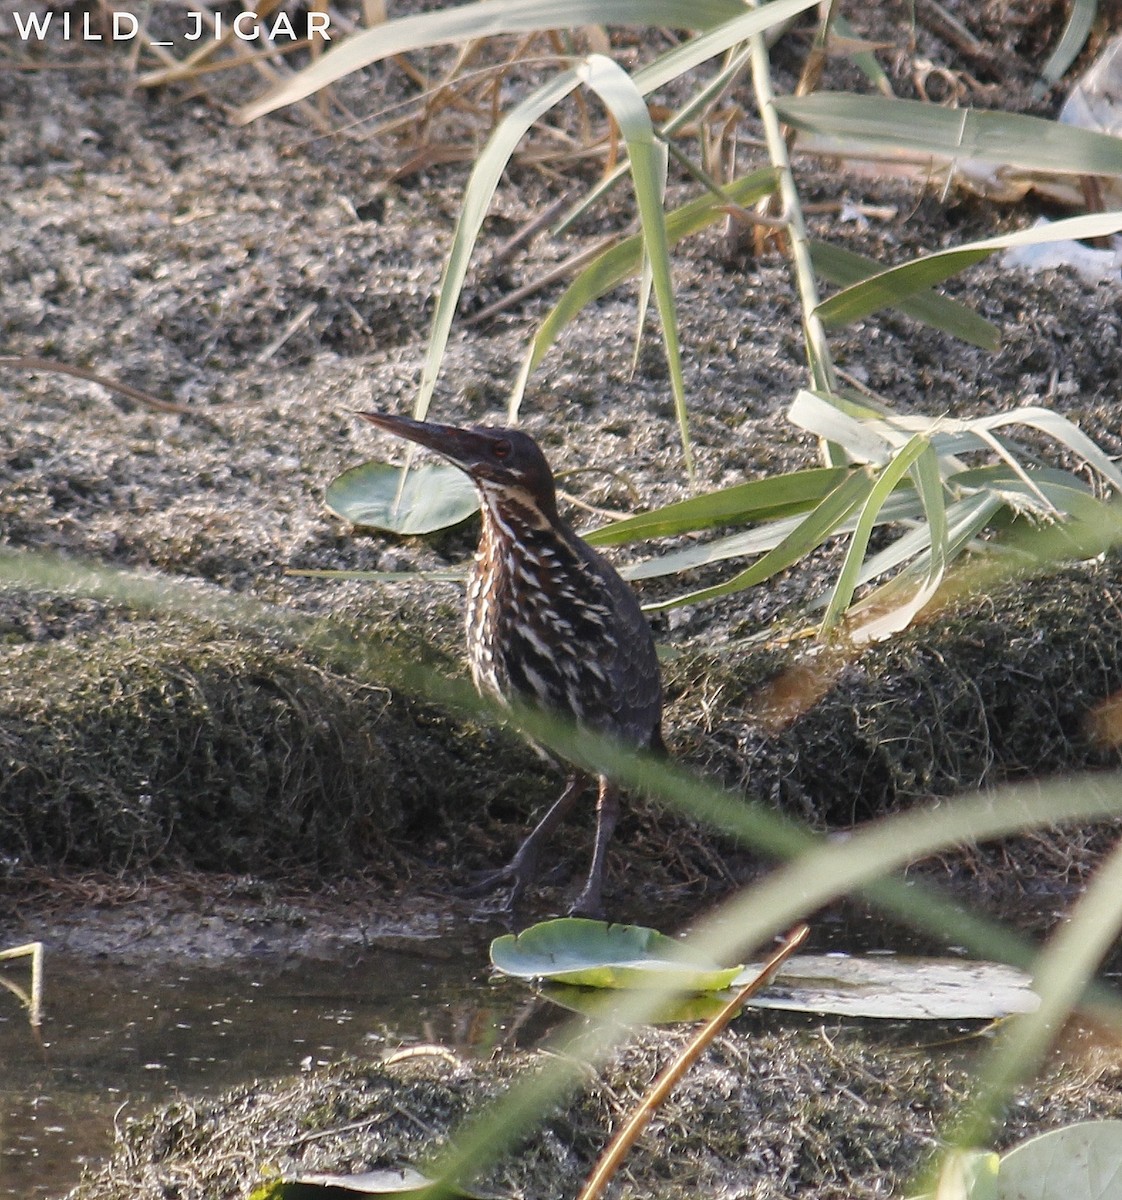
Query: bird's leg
[590,902]
[522,868]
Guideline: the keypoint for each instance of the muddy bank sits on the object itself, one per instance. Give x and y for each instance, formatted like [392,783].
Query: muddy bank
[146,745]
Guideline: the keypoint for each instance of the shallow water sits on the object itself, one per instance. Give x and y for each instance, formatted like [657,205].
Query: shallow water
[119,1038]
[116,1039]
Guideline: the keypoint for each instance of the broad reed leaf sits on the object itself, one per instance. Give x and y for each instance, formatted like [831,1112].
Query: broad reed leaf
[844,268]
[912,125]
[756,500]
[491,18]
[625,258]
[896,284]
[481,185]
[811,531]
[889,478]
[648,169]
[903,505]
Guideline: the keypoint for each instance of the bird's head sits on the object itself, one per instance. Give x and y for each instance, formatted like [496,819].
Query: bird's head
[502,463]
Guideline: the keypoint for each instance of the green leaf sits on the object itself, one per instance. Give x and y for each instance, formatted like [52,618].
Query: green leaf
[864,437]
[480,189]
[625,258]
[493,17]
[864,60]
[757,500]
[812,531]
[896,284]
[901,506]
[918,586]
[574,950]
[648,169]
[889,478]
[376,496]
[957,133]
[1077,1162]
[844,268]
[1076,32]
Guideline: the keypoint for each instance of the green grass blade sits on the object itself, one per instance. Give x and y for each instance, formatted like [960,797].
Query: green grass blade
[716,40]
[1063,970]
[829,418]
[624,259]
[956,133]
[902,505]
[864,60]
[895,284]
[757,500]
[844,268]
[994,475]
[648,169]
[1072,41]
[886,483]
[890,615]
[1064,431]
[811,531]
[490,18]
[481,186]
[696,103]
[966,518]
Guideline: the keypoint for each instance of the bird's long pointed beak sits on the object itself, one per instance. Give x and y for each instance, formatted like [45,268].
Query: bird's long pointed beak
[464,447]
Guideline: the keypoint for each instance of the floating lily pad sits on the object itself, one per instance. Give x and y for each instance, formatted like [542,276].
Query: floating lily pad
[587,953]
[434,496]
[591,954]
[896,988]
[1078,1162]
[600,1004]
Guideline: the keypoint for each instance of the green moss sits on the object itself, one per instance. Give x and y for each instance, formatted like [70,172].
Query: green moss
[148,745]
[995,688]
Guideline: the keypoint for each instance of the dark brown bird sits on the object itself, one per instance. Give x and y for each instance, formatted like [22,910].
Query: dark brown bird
[549,623]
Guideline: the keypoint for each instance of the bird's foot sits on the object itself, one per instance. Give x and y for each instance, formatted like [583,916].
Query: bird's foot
[488,882]
[588,904]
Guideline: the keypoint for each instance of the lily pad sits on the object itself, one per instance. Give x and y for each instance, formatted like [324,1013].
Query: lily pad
[1078,1162]
[433,497]
[894,987]
[690,1009]
[587,953]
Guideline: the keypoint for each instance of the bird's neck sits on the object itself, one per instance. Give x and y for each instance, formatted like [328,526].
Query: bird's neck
[515,520]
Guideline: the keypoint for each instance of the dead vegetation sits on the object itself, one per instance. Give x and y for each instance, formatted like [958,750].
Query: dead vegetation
[837,1113]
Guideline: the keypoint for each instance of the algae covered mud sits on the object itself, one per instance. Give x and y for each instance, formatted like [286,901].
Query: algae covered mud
[121,1036]
[164,1076]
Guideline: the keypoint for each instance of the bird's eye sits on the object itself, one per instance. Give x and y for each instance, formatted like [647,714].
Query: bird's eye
[501,449]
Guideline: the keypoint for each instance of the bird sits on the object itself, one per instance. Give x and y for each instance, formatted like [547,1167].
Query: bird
[550,624]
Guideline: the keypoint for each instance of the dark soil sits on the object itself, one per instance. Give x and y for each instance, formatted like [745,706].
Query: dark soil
[214,714]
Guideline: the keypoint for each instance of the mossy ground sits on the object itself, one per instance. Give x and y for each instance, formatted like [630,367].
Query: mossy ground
[838,1113]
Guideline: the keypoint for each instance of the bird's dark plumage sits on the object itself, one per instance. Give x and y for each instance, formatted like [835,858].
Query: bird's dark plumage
[549,621]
